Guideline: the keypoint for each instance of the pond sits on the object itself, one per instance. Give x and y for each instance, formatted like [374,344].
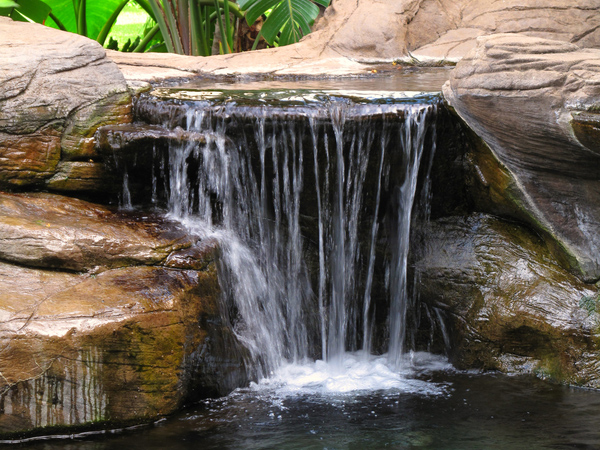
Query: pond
[437,408]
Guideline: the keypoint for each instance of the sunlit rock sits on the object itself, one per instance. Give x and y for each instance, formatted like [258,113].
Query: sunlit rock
[353,34]
[124,346]
[50,231]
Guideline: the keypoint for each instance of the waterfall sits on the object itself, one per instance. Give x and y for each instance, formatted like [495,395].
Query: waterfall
[312,206]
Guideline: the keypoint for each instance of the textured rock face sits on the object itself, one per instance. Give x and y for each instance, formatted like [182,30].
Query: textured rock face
[56,88]
[446,29]
[352,33]
[124,328]
[510,306]
[50,231]
[520,95]
[122,346]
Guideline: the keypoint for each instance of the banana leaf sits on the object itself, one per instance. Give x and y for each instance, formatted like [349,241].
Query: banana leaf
[288,19]
[25,10]
[96,17]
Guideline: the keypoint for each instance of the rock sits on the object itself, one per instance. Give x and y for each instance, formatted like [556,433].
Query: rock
[352,33]
[80,177]
[121,347]
[114,138]
[50,231]
[522,96]
[56,88]
[509,305]
[446,29]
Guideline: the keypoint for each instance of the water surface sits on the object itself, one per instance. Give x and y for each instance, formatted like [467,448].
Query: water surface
[431,406]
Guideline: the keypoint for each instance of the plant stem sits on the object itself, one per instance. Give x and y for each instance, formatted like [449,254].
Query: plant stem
[147,38]
[228,39]
[58,23]
[198,33]
[173,28]
[224,48]
[110,22]
[81,19]
[257,40]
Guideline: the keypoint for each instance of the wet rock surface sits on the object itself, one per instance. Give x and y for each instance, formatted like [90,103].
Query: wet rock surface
[105,317]
[509,304]
[121,347]
[56,88]
[50,231]
[523,97]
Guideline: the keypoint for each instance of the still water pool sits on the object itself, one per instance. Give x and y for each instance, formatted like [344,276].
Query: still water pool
[368,405]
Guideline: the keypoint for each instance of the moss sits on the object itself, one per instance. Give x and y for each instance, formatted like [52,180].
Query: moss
[590,303]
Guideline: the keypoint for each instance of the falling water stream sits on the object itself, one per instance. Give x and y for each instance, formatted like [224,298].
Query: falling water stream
[310,198]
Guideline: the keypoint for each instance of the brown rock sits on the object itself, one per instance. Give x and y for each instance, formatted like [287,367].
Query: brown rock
[446,29]
[509,305]
[45,230]
[123,346]
[519,94]
[56,88]
[80,177]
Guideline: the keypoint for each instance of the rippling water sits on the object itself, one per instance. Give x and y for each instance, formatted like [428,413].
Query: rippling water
[428,405]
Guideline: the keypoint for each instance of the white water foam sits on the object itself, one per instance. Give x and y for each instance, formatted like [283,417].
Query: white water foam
[358,373]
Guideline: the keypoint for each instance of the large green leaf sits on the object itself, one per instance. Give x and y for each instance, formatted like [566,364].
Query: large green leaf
[97,14]
[290,19]
[8,5]
[25,10]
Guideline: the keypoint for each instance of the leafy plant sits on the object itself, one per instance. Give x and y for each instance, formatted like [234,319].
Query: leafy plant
[287,20]
[25,10]
[93,19]
[188,26]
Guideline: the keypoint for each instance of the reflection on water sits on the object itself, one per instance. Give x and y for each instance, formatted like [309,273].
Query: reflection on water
[402,79]
[470,412]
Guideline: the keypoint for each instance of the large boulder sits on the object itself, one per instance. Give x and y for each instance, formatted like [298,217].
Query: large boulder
[533,104]
[124,346]
[447,29]
[508,305]
[56,89]
[105,317]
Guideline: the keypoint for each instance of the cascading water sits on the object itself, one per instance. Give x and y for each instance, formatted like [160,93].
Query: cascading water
[311,202]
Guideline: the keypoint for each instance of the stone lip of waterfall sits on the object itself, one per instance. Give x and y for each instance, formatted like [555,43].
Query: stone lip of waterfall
[284,97]
[170,106]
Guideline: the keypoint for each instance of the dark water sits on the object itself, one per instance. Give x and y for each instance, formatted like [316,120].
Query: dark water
[476,412]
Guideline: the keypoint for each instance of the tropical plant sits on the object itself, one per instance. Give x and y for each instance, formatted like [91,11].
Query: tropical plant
[187,26]
[287,20]
[93,19]
[25,10]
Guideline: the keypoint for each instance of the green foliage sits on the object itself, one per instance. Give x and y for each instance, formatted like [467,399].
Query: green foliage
[93,18]
[25,10]
[185,26]
[188,27]
[287,19]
